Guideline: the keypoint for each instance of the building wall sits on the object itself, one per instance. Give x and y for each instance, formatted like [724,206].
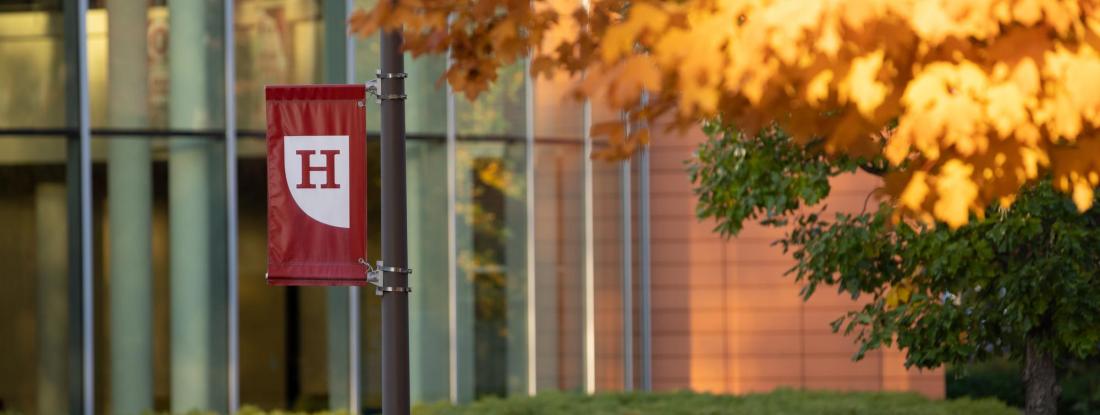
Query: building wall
[726,319]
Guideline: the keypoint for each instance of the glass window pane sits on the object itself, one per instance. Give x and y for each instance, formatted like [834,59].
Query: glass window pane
[159,205]
[491,240]
[284,331]
[33,65]
[128,81]
[293,339]
[429,333]
[159,232]
[559,265]
[559,234]
[607,252]
[37,304]
[277,42]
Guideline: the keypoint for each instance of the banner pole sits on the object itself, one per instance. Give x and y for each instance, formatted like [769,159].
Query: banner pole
[395,304]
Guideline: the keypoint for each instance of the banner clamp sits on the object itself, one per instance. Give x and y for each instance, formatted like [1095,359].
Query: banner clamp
[374,86]
[374,276]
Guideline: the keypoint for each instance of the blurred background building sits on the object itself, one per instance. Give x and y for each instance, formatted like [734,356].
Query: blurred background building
[529,257]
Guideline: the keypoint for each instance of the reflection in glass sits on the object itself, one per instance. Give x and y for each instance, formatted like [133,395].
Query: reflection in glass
[33,59]
[37,303]
[196,217]
[277,42]
[559,235]
[159,219]
[293,339]
[429,361]
[491,241]
[282,350]
[607,246]
[130,382]
[491,270]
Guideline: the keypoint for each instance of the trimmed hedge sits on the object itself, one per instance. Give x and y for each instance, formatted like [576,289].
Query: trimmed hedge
[1003,379]
[780,402]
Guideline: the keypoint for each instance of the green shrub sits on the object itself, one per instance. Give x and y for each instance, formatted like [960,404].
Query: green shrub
[780,402]
[996,378]
[1003,379]
[253,410]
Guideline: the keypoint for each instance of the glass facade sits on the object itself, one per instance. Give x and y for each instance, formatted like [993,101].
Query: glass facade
[515,235]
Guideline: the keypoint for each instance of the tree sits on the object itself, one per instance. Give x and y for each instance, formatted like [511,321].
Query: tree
[988,96]
[1020,280]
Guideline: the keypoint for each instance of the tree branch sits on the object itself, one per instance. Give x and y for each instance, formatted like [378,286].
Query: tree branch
[870,168]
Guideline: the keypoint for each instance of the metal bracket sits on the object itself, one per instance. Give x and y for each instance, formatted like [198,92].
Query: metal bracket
[378,73]
[374,276]
[374,86]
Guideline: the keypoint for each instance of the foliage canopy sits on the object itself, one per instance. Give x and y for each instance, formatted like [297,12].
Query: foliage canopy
[988,96]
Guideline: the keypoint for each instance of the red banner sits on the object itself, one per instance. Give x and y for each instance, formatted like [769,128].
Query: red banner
[316,185]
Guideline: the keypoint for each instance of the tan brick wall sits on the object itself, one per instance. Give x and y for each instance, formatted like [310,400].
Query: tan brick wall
[726,319]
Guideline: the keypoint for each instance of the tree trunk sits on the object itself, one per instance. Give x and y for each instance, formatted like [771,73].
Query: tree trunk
[1040,381]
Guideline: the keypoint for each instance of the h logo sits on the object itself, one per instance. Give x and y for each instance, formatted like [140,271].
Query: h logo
[317,174]
[329,168]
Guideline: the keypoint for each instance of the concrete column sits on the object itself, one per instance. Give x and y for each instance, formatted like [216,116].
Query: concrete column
[190,269]
[129,206]
[51,257]
[195,192]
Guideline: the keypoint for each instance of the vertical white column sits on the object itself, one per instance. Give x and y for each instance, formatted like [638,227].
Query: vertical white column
[191,194]
[529,176]
[589,260]
[51,256]
[129,209]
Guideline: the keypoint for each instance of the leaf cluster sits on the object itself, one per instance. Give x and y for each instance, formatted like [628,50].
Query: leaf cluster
[766,176]
[989,96]
[1025,271]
